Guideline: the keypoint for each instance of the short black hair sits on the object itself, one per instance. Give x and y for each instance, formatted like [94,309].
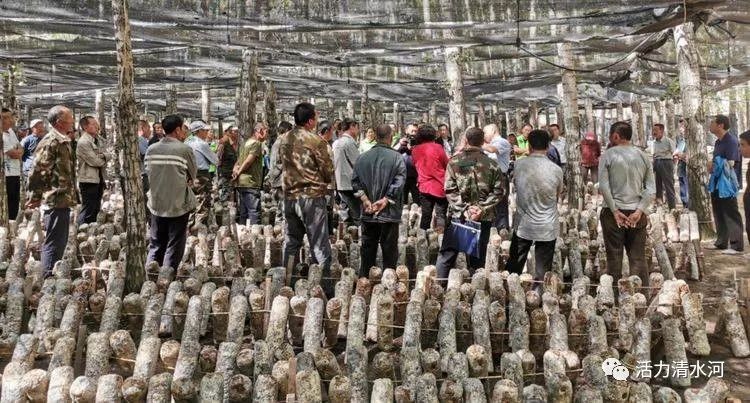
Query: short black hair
[426,133]
[348,123]
[745,136]
[659,125]
[442,125]
[539,140]
[5,110]
[382,131]
[285,126]
[474,136]
[84,121]
[723,120]
[554,124]
[623,129]
[153,126]
[303,112]
[527,124]
[171,123]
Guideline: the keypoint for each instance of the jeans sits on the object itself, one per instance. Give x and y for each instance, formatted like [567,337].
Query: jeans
[308,216]
[91,201]
[56,226]
[449,251]
[633,240]
[13,191]
[728,223]
[429,203]
[167,240]
[352,207]
[249,206]
[664,177]
[374,234]
[684,195]
[544,253]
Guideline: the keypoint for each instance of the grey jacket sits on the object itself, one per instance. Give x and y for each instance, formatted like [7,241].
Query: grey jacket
[171,169]
[378,173]
[345,154]
[90,159]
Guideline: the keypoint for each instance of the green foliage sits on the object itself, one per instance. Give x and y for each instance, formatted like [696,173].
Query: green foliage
[673,91]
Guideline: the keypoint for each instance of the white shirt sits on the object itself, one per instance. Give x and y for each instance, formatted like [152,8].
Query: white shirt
[560,144]
[538,181]
[10,141]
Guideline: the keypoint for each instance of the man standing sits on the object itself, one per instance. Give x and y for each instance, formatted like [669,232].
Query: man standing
[92,164]
[591,150]
[157,134]
[404,147]
[29,144]
[473,186]
[144,141]
[745,151]
[307,172]
[204,158]
[558,141]
[378,179]
[444,136]
[538,183]
[663,151]
[345,154]
[52,182]
[499,149]
[13,152]
[248,174]
[680,155]
[170,166]
[726,211]
[626,181]
[522,148]
[227,153]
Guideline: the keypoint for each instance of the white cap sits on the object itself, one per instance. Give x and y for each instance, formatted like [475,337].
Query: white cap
[197,125]
[35,122]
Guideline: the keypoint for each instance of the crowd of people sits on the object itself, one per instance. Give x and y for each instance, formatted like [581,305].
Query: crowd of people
[321,172]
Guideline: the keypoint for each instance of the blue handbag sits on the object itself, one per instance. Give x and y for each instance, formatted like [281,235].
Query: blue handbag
[466,236]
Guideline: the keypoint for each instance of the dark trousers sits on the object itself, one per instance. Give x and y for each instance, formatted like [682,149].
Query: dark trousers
[684,195]
[146,187]
[544,253]
[374,234]
[664,177]
[502,215]
[449,251]
[309,217]
[13,190]
[167,240]
[746,204]
[56,226]
[430,203]
[249,206]
[728,223]
[632,240]
[91,201]
[410,188]
[590,174]
[352,206]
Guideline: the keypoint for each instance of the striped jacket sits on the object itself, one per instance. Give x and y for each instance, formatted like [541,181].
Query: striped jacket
[171,169]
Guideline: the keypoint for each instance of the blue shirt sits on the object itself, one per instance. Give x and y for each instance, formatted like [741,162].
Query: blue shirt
[204,157]
[681,147]
[728,147]
[29,144]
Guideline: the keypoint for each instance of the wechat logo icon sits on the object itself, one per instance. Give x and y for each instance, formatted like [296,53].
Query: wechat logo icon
[614,368]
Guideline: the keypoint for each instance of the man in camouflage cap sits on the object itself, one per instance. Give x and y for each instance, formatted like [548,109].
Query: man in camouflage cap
[308,171]
[52,184]
[473,186]
[204,158]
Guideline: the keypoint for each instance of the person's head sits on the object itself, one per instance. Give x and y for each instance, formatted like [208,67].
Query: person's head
[425,134]
[620,133]
[285,127]
[336,124]
[200,129]
[443,131]
[37,128]
[474,137]
[539,140]
[719,125]
[384,134]
[61,118]
[89,125]
[260,131]
[23,131]
[526,130]
[370,135]
[144,128]
[174,126]
[350,126]
[554,130]
[411,129]
[745,144]
[325,130]
[233,132]
[8,119]
[306,116]
[490,132]
[658,131]
[512,139]
[158,130]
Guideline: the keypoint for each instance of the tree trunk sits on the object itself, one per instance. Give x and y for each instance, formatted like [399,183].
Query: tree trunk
[248,93]
[671,123]
[395,114]
[481,118]
[433,114]
[639,138]
[100,111]
[135,215]
[170,107]
[602,124]
[272,119]
[534,114]
[688,64]
[620,114]
[350,113]
[747,108]
[590,121]
[456,105]
[573,137]
[364,109]
[12,101]
[205,103]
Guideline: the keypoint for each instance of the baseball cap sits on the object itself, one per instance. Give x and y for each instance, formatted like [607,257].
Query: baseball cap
[35,122]
[198,125]
[323,126]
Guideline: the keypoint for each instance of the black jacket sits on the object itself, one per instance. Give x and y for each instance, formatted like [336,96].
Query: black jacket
[378,173]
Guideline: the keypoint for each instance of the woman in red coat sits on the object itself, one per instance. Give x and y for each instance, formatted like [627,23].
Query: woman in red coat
[591,150]
[430,160]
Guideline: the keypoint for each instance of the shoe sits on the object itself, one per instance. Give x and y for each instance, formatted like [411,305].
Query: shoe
[731,252]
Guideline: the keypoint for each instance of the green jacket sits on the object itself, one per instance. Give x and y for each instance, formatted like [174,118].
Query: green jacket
[473,179]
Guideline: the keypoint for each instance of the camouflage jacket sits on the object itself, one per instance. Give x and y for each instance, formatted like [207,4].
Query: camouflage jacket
[53,177]
[473,179]
[306,163]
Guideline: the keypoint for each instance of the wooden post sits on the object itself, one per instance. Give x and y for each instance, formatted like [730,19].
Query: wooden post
[433,114]
[350,109]
[590,121]
[534,114]
[100,112]
[481,118]
[456,105]
[395,114]
[272,119]
[573,137]
[671,123]
[248,93]
[639,137]
[364,110]
[620,114]
[205,103]
[688,64]
[602,123]
[135,214]
[170,107]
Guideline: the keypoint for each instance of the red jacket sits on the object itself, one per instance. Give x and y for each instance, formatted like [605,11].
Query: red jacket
[430,160]
[591,150]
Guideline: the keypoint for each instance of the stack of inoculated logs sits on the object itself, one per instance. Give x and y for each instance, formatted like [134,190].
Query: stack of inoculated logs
[231,325]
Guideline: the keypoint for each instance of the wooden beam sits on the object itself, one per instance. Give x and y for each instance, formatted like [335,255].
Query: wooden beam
[456,105]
